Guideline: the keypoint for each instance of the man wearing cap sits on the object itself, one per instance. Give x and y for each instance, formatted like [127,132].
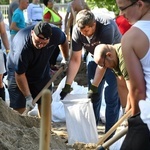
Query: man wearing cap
[28,62]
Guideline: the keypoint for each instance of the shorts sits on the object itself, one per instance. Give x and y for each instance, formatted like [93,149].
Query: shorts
[2,64]
[17,99]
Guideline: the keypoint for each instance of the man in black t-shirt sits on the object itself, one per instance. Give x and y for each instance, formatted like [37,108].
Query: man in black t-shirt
[28,62]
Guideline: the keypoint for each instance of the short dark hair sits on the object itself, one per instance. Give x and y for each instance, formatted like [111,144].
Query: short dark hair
[45,2]
[85,18]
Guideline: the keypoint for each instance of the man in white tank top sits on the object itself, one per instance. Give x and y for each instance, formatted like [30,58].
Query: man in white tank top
[136,53]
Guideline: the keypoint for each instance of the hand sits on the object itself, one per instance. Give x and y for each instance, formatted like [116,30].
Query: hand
[64,63]
[93,94]
[29,101]
[65,91]
[7,51]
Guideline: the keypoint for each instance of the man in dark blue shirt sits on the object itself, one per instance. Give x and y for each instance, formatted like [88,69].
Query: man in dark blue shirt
[89,32]
[28,62]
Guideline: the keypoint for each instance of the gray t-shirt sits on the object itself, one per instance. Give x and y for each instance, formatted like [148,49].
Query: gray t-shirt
[106,32]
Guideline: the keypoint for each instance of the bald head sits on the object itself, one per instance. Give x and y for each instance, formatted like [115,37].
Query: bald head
[100,52]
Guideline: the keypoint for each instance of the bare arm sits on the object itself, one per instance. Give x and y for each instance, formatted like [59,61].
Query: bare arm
[4,35]
[22,83]
[64,48]
[122,90]
[99,74]
[13,26]
[73,67]
[128,105]
[132,52]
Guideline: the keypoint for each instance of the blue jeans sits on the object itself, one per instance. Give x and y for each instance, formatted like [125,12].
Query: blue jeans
[111,95]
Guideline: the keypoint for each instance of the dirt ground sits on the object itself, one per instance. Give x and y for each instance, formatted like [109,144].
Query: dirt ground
[19,132]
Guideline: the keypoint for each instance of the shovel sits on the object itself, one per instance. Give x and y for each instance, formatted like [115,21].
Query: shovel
[113,139]
[45,87]
[102,140]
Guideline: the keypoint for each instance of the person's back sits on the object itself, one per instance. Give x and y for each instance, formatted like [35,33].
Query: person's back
[12,7]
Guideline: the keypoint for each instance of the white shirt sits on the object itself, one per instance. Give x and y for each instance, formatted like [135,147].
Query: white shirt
[34,13]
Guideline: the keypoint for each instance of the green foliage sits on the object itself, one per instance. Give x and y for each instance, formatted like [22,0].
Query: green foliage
[4,2]
[109,4]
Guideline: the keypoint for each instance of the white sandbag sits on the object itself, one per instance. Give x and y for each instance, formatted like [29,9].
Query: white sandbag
[58,112]
[80,120]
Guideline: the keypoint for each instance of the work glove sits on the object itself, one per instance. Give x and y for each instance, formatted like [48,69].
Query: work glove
[64,63]
[65,91]
[29,101]
[93,94]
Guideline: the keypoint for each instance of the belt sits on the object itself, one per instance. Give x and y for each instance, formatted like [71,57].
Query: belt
[37,20]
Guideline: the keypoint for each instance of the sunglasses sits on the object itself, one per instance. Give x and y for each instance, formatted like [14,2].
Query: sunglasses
[122,9]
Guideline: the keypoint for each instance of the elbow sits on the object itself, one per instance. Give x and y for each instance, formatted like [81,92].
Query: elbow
[12,27]
[140,93]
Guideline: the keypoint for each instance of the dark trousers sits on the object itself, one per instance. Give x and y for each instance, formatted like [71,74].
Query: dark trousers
[2,93]
[138,135]
[111,95]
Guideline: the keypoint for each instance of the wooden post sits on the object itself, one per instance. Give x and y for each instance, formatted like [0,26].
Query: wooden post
[45,127]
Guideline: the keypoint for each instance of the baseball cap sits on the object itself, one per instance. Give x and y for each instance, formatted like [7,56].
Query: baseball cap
[44,29]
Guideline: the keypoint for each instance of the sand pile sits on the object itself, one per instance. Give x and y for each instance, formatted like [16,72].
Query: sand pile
[19,132]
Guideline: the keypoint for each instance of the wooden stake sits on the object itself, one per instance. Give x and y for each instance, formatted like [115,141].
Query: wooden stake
[45,127]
